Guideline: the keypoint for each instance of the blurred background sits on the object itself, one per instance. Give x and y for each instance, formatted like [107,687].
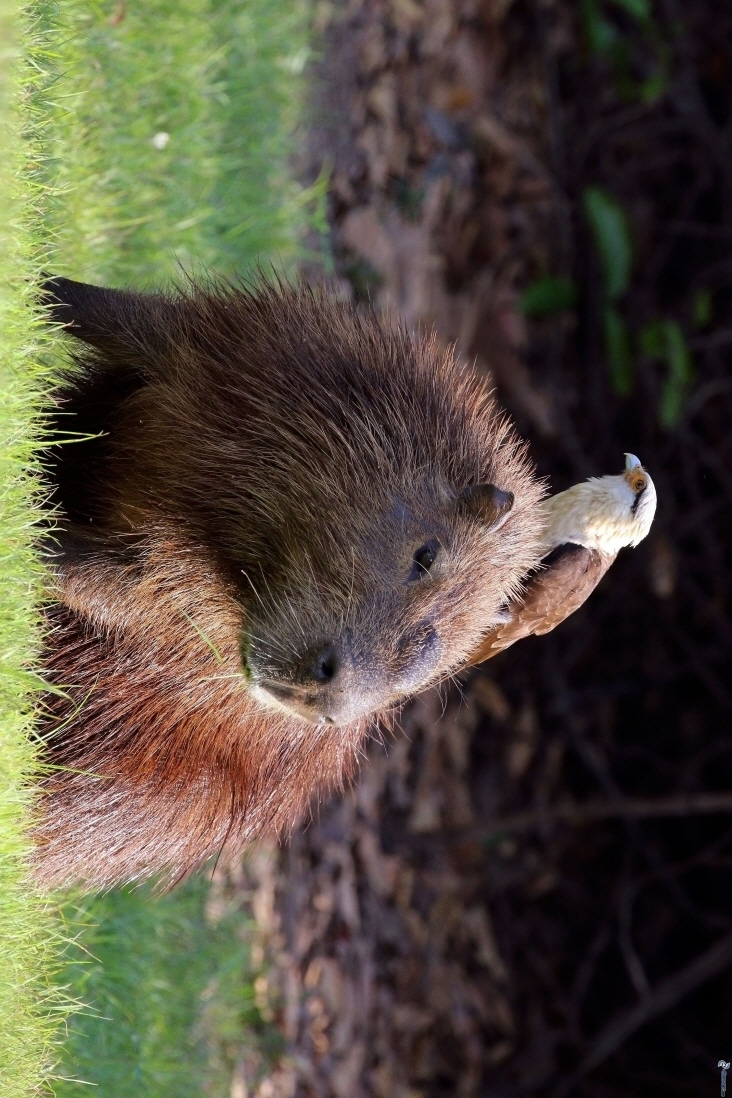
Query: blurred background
[548,184]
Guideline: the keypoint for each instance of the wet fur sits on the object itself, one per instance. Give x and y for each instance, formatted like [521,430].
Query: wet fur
[267,464]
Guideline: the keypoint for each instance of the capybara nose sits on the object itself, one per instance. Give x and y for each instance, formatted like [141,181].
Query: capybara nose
[322,666]
[318,665]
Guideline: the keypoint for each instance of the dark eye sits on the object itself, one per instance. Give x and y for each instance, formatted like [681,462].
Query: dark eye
[423,560]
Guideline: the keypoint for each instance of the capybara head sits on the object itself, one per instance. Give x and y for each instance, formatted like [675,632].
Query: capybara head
[354,485]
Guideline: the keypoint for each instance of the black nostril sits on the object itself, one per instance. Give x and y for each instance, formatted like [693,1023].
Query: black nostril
[325,664]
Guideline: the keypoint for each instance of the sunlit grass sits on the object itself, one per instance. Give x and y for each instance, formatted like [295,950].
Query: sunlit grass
[136,139]
[172,128]
[169,984]
[28,1006]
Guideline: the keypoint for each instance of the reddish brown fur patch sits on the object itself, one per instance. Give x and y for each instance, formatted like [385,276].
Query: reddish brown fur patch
[177,758]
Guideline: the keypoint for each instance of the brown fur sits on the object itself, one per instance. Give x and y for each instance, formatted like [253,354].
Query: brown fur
[269,462]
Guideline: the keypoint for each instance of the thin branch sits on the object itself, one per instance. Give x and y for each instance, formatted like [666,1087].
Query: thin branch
[661,998]
[629,808]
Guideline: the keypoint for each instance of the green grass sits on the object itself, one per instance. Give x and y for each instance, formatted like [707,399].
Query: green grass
[28,944]
[86,191]
[175,1009]
[172,125]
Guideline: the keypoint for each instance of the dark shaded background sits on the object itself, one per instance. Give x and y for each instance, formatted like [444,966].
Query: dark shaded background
[418,949]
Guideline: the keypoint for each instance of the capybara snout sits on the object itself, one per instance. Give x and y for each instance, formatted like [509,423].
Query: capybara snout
[390,618]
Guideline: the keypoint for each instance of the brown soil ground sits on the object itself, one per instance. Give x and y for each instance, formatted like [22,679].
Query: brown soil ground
[414,946]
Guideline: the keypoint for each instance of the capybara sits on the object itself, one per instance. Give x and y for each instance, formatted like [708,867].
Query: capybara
[276,519]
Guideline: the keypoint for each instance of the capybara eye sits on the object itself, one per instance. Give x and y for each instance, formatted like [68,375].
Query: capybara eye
[423,560]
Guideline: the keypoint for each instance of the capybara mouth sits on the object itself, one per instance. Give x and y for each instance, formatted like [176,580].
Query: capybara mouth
[299,702]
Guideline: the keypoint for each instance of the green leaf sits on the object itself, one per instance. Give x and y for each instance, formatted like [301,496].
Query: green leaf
[664,341]
[675,390]
[701,309]
[617,352]
[548,295]
[638,9]
[601,34]
[610,230]
[653,339]
[654,87]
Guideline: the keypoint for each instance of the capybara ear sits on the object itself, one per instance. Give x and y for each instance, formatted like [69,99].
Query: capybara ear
[116,322]
[488,504]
